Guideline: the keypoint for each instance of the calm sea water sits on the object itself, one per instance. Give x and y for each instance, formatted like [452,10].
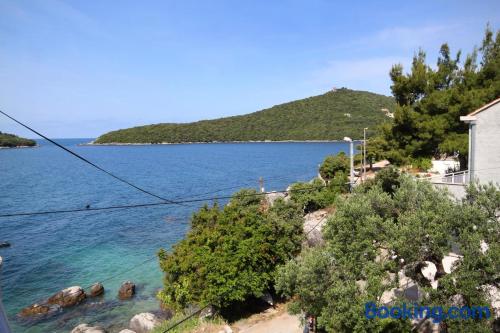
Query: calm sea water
[51,252]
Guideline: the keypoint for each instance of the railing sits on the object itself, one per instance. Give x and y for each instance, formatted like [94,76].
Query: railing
[460,177]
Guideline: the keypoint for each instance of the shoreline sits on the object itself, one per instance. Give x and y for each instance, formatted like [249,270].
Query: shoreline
[20,147]
[209,142]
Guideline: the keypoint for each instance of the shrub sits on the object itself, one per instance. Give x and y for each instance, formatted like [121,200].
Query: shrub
[388,179]
[320,196]
[418,223]
[421,163]
[231,253]
[334,164]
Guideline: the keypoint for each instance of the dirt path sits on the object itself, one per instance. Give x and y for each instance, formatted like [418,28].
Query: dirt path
[272,320]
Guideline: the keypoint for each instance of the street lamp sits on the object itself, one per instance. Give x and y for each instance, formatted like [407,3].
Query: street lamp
[364,154]
[351,154]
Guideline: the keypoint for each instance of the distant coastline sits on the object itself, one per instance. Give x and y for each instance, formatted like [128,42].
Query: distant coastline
[92,143]
[19,147]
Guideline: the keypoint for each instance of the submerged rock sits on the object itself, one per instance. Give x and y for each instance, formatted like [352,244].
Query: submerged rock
[97,289]
[39,310]
[127,290]
[144,322]
[85,328]
[68,297]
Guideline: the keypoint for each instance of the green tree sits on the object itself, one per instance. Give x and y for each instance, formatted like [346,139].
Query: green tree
[431,101]
[333,165]
[414,222]
[231,253]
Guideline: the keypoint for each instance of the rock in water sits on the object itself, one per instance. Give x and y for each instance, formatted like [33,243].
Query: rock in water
[144,322]
[97,289]
[85,328]
[39,309]
[127,290]
[68,297]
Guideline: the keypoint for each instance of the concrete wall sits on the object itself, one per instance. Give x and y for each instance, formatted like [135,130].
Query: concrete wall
[456,190]
[487,145]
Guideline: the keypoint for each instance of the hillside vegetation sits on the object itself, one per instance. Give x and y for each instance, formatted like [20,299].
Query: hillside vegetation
[320,117]
[11,141]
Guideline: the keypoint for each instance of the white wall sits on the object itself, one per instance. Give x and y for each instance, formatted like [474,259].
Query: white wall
[487,145]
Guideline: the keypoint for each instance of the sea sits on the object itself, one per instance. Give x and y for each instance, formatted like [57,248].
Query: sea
[50,252]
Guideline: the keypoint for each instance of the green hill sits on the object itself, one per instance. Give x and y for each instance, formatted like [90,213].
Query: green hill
[330,116]
[11,141]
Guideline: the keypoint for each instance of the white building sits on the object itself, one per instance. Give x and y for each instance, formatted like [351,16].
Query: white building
[484,143]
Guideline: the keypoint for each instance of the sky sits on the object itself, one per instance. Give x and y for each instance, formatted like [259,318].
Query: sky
[77,69]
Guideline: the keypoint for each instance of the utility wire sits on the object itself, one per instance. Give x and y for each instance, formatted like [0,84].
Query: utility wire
[88,162]
[153,204]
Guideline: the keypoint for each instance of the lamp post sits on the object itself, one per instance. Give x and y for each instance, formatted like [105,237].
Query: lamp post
[351,154]
[364,154]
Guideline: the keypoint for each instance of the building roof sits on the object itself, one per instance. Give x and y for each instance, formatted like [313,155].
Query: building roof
[471,117]
[484,107]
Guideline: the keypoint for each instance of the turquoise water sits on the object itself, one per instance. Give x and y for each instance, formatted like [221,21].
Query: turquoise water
[51,252]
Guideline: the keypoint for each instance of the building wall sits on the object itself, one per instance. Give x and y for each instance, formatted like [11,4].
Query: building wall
[487,145]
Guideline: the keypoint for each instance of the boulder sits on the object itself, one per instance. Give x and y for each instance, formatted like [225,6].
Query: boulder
[127,331]
[492,294]
[226,329]
[382,256]
[484,246]
[207,312]
[68,297]
[408,288]
[144,322]
[127,290]
[97,289]
[429,270]
[313,225]
[450,261]
[39,309]
[457,300]
[85,328]
[273,196]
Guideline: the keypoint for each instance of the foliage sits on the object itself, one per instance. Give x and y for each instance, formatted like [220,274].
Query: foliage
[416,222]
[421,163]
[334,164]
[314,118]
[388,179]
[11,140]
[231,253]
[430,102]
[316,195]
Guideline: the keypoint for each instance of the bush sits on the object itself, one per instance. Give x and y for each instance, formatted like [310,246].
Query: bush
[334,164]
[388,179]
[422,163]
[316,195]
[418,223]
[230,254]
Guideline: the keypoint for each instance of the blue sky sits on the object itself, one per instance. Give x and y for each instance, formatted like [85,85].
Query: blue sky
[81,68]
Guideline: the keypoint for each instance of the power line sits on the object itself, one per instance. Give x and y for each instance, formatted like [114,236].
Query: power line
[153,204]
[89,162]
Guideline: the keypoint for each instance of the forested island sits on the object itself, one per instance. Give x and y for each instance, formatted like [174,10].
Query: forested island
[331,116]
[13,141]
